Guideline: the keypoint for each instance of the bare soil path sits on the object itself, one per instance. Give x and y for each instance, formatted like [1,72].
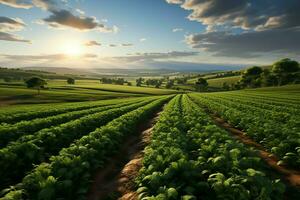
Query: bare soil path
[115,181]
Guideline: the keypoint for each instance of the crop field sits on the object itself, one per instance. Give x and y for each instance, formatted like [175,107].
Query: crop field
[60,91]
[82,150]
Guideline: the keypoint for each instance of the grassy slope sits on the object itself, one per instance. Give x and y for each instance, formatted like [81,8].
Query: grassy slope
[218,82]
[60,91]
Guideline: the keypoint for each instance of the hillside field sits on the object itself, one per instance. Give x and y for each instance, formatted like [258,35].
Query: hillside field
[151,143]
[83,90]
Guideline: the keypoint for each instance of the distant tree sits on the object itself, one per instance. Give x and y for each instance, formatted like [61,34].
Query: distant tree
[7,79]
[139,82]
[285,70]
[201,84]
[129,83]
[71,81]
[251,77]
[36,82]
[170,84]
[268,78]
[225,86]
[181,80]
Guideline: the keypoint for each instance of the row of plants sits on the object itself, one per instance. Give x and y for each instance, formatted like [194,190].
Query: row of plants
[268,114]
[68,175]
[268,105]
[190,158]
[31,112]
[20,156]
[276,97]
[276,132]
[11,132]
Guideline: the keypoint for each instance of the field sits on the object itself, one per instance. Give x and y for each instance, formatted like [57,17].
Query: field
[218,82]
[161,145]
[60,91]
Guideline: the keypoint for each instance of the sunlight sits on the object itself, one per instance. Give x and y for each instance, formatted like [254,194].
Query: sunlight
[72,48]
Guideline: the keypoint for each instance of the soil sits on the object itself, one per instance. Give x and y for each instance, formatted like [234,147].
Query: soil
[116,180]
[290,175]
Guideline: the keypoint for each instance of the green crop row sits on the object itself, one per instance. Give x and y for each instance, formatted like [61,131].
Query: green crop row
[259,104]
[37,111]
[9,133]
[67,175]
[190,158]
[278,132]
[20,156]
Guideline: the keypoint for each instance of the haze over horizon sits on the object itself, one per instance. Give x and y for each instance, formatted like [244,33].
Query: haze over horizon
[147,34]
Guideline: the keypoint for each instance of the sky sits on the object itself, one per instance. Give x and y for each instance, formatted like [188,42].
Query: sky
[147,33]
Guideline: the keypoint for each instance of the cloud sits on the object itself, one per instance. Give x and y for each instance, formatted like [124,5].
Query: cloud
[92,43]
[127,44]
[143,39]
[11,37]
[245,14]
[64,18]
[80,11]
[16,3]
[248,44]
[177,29]
[175,1]
[112,45]
[50,5]
[43,57]
[245,28]
[10,24]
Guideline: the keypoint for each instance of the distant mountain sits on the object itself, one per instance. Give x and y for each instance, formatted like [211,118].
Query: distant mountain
[194,67]
[60,70]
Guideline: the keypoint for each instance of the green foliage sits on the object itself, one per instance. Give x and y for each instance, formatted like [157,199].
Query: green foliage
[270,121]
[117,81]
[36,82]
[37,147]
[67,175]
[191,158]
[71,81]
[139,82]
[283,72]
[201,84]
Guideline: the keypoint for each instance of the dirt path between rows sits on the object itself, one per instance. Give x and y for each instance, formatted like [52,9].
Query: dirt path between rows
[290,175]
[115,181]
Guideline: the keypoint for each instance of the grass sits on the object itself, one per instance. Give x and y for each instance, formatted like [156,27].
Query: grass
[218,82]
[60,91]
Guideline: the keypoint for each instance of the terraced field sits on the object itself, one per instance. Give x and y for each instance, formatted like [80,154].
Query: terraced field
[227,145]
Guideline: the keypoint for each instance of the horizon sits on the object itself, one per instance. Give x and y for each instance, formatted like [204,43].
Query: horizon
[174,34]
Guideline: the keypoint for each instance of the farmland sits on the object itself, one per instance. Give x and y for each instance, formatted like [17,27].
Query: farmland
[53,150]
[59,91]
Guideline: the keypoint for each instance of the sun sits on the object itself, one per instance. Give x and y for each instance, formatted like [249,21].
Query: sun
[72,48]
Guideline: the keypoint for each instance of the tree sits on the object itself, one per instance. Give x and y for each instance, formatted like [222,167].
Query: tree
[251,77]
[226,86]
[285,70]
[201,84]
[36,82]
[7,79]
[170,84]
[268,78]
[71,81]
[139,82]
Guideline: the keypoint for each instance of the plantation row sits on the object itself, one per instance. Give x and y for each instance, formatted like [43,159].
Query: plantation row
[67,173]
[191,158]
[11,132]
[20,155]
[29,112]
[274,126]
